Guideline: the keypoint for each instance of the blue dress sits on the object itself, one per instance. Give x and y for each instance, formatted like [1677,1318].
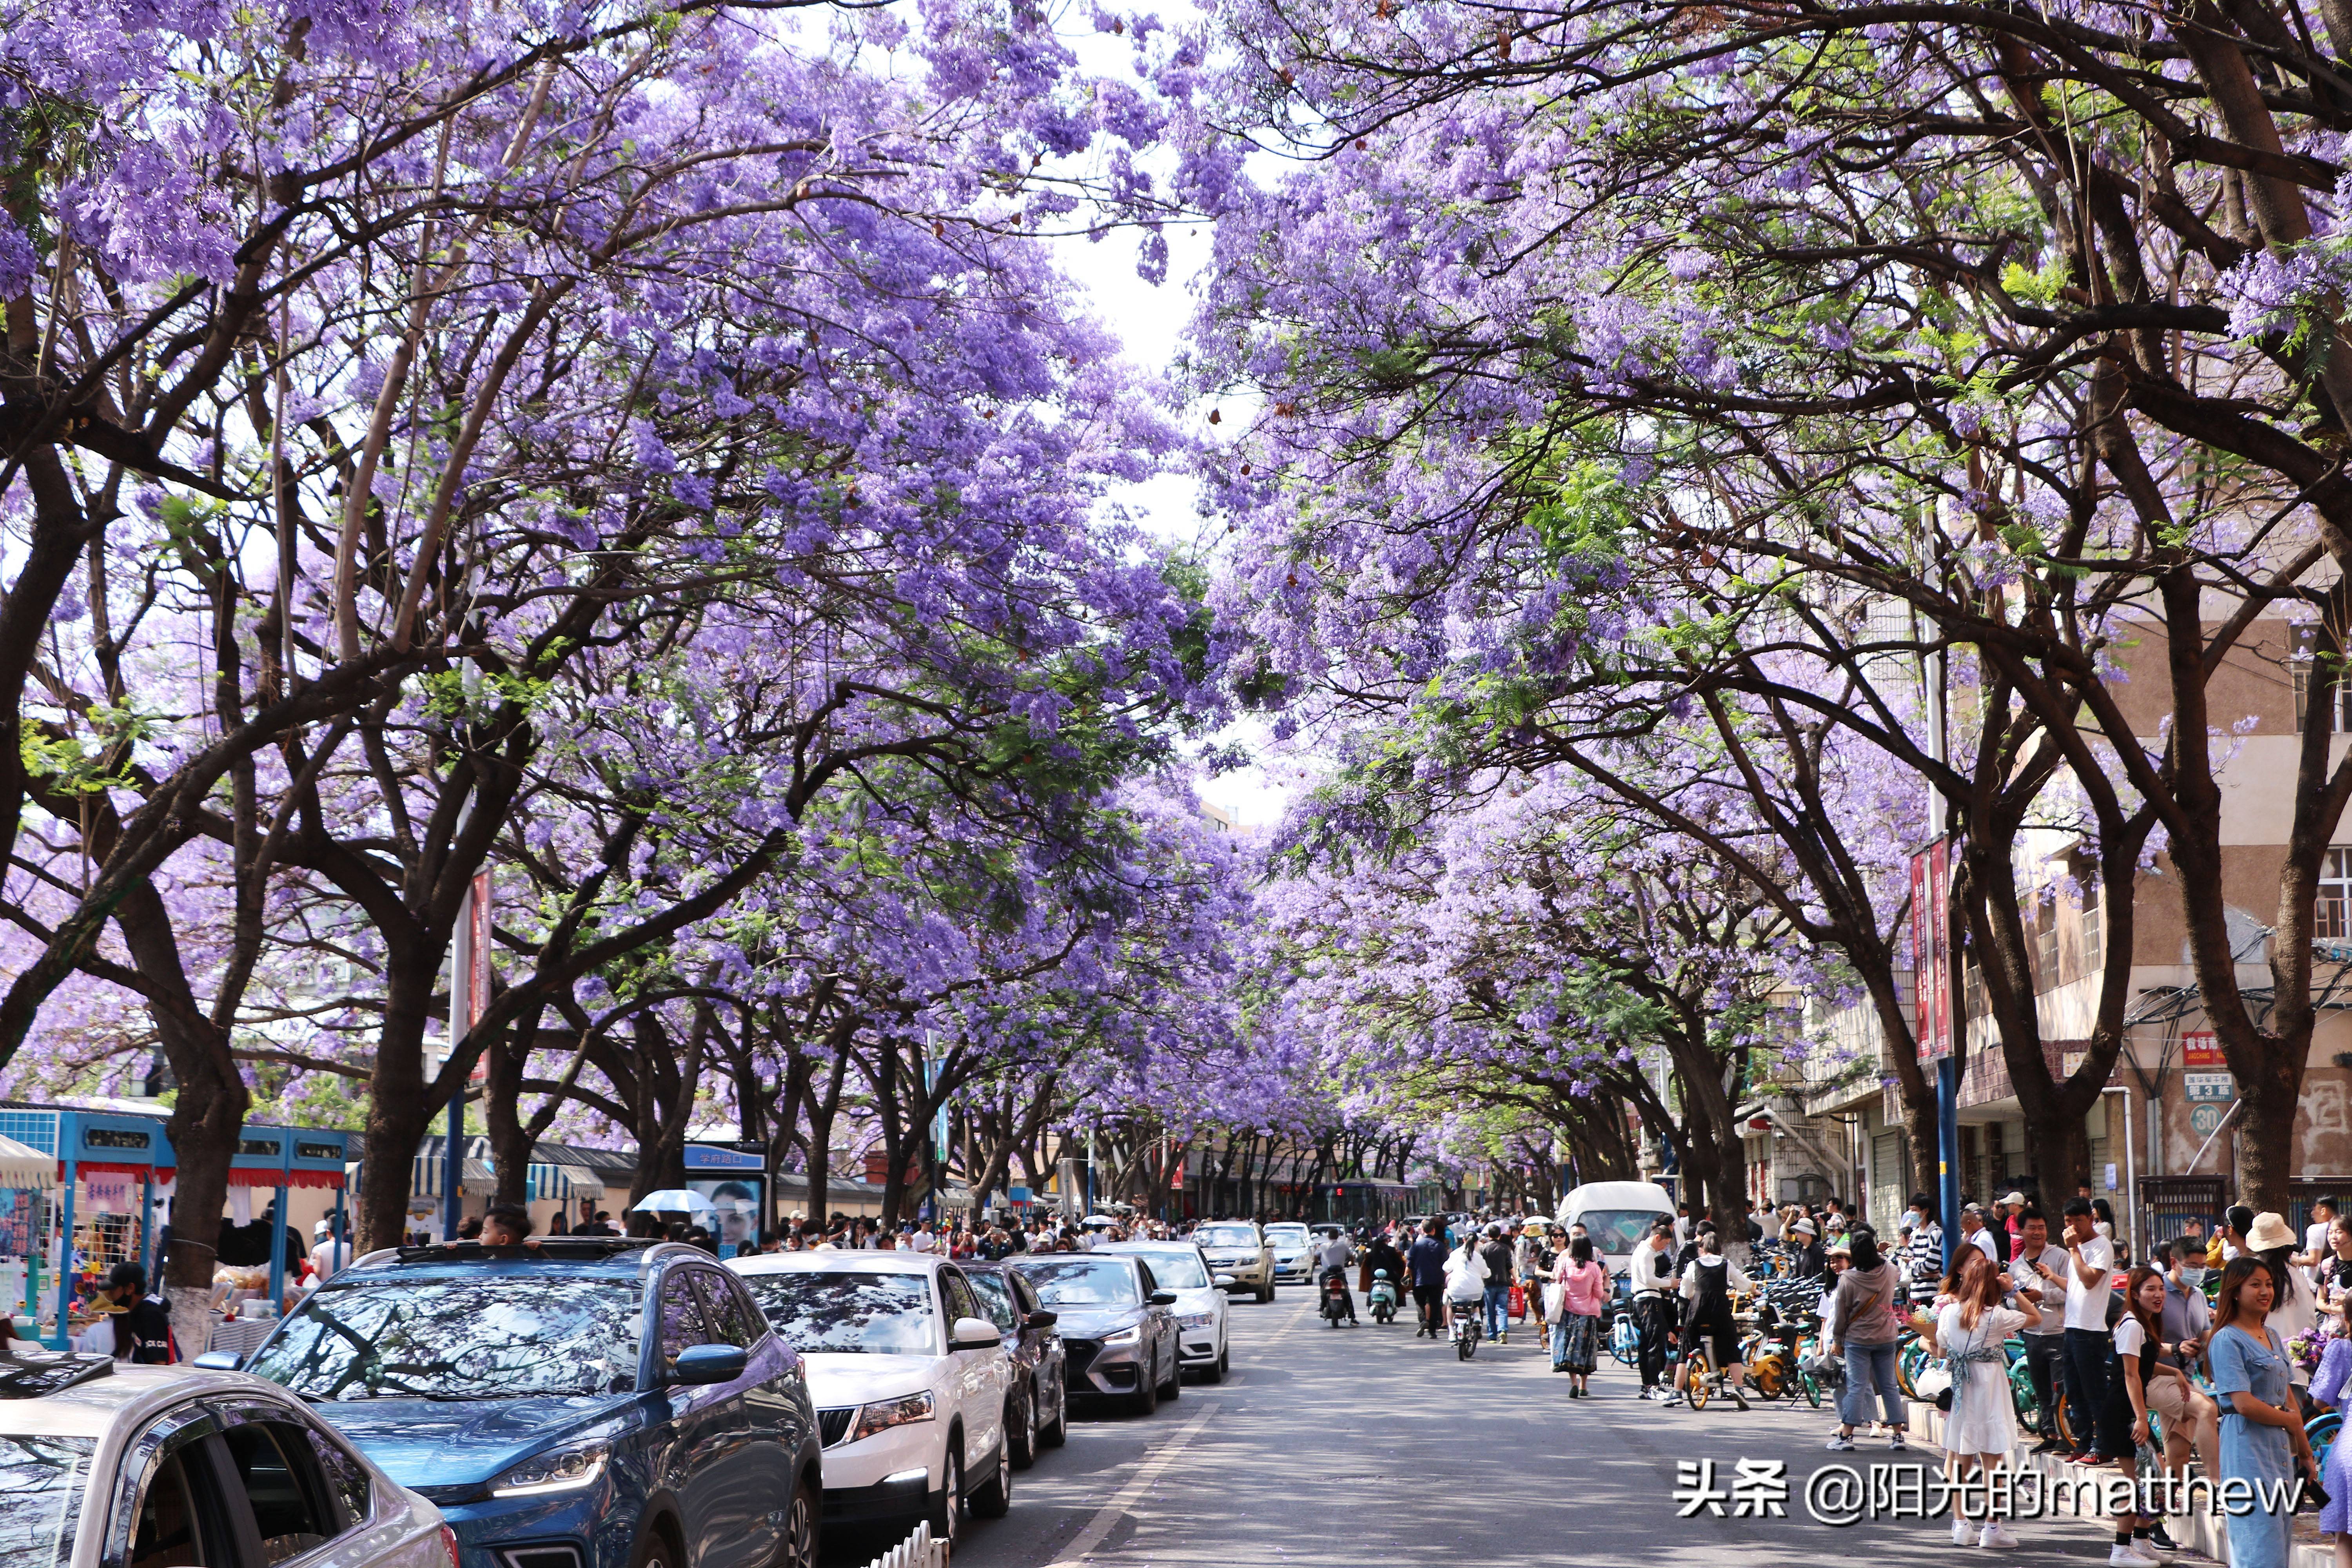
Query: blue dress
[2263,1454]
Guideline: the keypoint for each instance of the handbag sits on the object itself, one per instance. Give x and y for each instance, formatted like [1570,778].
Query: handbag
[1554,1297]
[1519,1301]
[1933,1383]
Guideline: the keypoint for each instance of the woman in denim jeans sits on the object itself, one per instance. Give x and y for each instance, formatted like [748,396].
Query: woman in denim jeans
[1861,1318]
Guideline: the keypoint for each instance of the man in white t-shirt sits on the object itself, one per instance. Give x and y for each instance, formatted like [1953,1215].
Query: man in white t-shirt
[331,1253]
[2090,1276]
[2316,1249]
[924,1239]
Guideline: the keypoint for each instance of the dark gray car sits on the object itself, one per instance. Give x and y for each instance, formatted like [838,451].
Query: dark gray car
[1119,1338]
[1035,1342]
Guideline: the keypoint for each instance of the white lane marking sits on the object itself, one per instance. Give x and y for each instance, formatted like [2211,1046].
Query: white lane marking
[1106,1518]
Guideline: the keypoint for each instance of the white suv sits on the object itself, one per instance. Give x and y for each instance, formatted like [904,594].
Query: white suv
[909,1377]
[108,1462]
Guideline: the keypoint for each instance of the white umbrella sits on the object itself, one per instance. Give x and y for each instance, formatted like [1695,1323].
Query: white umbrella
[677,1200]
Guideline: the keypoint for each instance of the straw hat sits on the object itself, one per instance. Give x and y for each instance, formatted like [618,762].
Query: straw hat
[2269,1231]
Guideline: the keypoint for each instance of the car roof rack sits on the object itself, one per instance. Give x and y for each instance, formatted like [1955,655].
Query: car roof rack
[29,1374]
[567,1247]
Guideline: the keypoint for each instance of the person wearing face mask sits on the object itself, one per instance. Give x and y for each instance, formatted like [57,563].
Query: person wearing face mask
[2190,1417]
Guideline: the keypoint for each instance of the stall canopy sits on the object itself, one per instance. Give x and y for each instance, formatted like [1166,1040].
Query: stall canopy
[23,1167]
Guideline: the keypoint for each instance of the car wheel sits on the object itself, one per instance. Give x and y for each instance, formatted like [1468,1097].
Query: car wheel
[947,1503]
[1056,1435]
[1215,1371]
[800,1545]
[1145,1401]
[1174,1387]
[1266,1293]
[654,1552]
[991,1500]
[1021,1432]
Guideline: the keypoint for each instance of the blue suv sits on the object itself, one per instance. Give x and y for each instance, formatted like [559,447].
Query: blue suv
[582,1402]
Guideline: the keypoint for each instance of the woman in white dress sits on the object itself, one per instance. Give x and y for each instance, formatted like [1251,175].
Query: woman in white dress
[1982,1426]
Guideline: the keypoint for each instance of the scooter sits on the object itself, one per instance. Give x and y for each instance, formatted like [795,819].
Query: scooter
[1383,1298]
[1337,1303]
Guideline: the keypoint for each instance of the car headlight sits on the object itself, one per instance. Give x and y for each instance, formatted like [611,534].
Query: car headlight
[1126,1336]
[1196,1319]
[557,1471]
[885,1413]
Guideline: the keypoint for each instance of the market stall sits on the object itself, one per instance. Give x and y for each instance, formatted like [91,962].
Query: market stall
[28,1184]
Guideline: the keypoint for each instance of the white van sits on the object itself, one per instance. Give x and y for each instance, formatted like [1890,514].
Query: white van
[1616,1215]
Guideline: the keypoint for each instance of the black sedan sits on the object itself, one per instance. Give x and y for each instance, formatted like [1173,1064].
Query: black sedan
[1116,1331]
[1033,1343]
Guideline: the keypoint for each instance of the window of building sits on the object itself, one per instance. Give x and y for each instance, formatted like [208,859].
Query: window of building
[2305,665]
[2094,928]
[2046,940]
[2332,921]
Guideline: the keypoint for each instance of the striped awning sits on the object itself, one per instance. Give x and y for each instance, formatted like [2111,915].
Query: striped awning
[564,1182]
[477,1181]
[24,1167]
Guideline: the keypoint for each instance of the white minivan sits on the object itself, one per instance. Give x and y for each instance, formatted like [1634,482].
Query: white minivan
[1616,1215]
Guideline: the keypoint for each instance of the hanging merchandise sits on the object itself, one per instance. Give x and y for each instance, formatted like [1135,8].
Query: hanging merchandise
[240,1205]
[108,1192]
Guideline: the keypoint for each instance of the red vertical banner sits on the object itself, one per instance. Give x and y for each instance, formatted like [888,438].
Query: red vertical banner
[1931,950]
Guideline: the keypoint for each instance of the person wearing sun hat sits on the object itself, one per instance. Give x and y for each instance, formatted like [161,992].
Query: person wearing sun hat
[2294,1307]
[2012,1204]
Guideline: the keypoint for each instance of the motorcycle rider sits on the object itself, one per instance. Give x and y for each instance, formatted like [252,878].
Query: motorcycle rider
[1332,1260]
[1382,1254]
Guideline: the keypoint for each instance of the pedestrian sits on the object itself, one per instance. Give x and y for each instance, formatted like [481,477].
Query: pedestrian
[1580,1292]
[1651,1281]
[1495,1259]
[1804,1252]
[2131,1382]
[2190,1419]
[1976,1232]
[2316,1249]
[143,1325]
[332,1251]
[2294,1309]
[1537,1261]
[1968,1330]
[2262,1441]
[2040,1286]
[2089,1274]
[1424,1260]
[1922,1244]
[1863,1329]
[2011,1209]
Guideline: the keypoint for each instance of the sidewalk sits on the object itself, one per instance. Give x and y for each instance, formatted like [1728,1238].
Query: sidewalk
[2204,1533]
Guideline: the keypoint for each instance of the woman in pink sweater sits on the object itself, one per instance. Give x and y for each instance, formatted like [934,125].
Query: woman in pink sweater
[1583,1287]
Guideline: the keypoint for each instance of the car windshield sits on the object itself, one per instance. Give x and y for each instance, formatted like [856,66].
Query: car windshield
[1239,1236]
[40,1494]
[1617,1230]
[1178,1270]
[493,1336]
[1084,1283]
[858,1314]
[1286,1235]
[996,1296]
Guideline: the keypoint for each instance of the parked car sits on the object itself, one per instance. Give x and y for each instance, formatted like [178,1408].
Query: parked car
[1183,1269]
[1294,1252]
[1034,1343]
[108,1462]
[587,1402]
[1238,1247]
[913,1389]
[1116,1326]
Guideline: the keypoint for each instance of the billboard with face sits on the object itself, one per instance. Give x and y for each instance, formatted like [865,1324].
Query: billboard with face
[736,1208]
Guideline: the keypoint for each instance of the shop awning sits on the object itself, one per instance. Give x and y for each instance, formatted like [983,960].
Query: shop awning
[564,1183]
[477,1179]
[24,1167]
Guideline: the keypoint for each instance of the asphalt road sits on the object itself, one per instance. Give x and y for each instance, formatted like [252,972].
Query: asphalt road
[1337,1447]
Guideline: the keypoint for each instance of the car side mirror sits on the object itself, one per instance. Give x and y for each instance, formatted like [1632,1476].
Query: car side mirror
[709,1363]
[1041,1319]
[1162,1298]
[974,1335]
[221,1360]
[1223,1281]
